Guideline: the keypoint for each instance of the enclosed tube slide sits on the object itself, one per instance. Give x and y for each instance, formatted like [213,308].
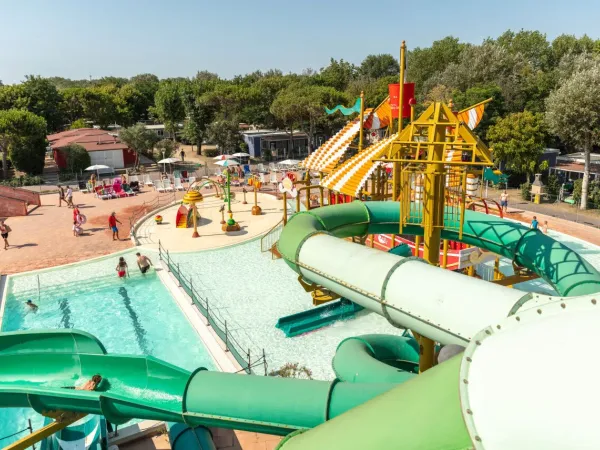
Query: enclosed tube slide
[36,366]
[437,303]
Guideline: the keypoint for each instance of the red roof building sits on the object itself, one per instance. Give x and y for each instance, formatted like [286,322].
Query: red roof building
[103,147]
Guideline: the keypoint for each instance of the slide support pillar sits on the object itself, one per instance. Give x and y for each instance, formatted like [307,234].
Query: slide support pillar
[43,433]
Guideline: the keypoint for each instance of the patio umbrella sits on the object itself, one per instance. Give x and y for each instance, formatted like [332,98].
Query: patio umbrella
[97,167]
[241,154]
[228,163]
[222,157]
[290,162]
[168,161]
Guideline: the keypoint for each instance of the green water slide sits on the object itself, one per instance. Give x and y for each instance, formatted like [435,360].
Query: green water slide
[36,366]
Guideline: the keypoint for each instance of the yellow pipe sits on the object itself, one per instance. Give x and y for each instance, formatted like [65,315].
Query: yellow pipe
[285,208]
[43,433]
[401,87]
[362,117]
[417,245]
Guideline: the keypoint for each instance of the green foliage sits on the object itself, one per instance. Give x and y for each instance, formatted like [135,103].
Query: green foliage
[77,158]
[25,180]
[168,105]
[23,140]
[139,139]
[200,112]
[493,110]
[518,140]
[165,148]
[525,190]
[41,97]
[79,123]
[210,152]
[379,66]
[226,135]
[337,74]
[553,185]
[577,190]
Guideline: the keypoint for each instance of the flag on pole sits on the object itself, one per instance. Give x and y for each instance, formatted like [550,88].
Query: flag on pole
[473,114]
[409,93]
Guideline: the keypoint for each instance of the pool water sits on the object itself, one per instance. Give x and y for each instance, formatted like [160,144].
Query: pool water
[134,316]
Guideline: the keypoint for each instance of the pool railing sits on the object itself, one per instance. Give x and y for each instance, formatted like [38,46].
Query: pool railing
[243,355]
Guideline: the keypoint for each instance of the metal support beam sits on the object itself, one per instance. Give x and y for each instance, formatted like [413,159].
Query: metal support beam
[43,433]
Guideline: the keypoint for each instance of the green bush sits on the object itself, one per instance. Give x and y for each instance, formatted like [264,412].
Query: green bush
[577,190]
[553,186]
[210,152]
[25,180]
[77,158]
[526,191]
[65,175]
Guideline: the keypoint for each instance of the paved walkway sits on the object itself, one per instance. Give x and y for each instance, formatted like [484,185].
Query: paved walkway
[45,237]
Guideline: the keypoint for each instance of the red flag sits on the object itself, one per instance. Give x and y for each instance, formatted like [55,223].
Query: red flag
[409,93]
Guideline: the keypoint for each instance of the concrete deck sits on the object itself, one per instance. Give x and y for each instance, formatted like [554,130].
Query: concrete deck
[209,227]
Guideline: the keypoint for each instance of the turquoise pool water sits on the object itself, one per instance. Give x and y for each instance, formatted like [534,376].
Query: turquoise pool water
[132,316]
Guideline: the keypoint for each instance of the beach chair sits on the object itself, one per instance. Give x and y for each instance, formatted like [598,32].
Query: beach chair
[261,168]
[167,185]
[127,189]
[118,190]
[133,178]
[158,186]
[273,178]
[99,193]
[191,180]
[147,180]
[218,171]
[247,169]
[235,180]
[177,184]
[273,167]
[82,186]
[262,178]
[109,190]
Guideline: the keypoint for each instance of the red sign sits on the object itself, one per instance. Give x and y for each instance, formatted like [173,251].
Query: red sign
[409,94]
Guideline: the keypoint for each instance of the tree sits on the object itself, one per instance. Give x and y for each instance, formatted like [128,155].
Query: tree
[337,74]
[531,44]
[379,66]
[493,110]
[519,140]
[168,105]
[139,139]
[573,114]
[200,113]
[77,158]
[165,148]
[131,104]
[147,84]
[23,139]
[226,135]
[40,96]
[100,106]
[79,123]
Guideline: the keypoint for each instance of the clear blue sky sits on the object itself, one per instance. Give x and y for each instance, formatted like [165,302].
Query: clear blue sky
[76,39]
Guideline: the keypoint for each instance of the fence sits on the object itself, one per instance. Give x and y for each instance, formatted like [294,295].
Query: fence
[28,428]
[242,355]
[149,206]
[268,240]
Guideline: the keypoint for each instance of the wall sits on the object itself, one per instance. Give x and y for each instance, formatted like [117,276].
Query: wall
[10,207]
[60,158]
[253,145]
[110,158]
[128,157]
[33,198]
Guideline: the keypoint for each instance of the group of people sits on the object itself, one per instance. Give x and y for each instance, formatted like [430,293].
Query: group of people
[535,225]
[143,263]
[66,197]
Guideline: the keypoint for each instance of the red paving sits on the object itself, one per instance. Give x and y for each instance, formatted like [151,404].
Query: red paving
[44,238]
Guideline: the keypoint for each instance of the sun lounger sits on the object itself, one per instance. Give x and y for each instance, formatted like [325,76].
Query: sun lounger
[158,186]
[127,189]
[178,185]
[99,192]
[167,185]
[147,180]
[135,186]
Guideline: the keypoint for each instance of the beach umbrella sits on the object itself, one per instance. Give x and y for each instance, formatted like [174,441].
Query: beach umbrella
[97,167]
[228,163]
[168,161]
[241,154]
[222,157]
[289,162]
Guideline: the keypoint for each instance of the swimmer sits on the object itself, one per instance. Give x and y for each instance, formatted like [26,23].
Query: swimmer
[89,385]
[122,268]
[32,305]
[143,262]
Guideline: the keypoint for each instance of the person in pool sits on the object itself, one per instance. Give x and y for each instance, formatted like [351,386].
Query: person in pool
[32,305]
[143,262]
[121,267]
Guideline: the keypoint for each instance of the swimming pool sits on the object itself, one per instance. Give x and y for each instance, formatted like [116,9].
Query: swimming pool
[132,316]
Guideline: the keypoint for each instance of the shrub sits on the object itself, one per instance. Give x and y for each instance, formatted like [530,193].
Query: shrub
[25,180]
[553,186]
[526,191]
[77,158]
[210,152]
[577,190]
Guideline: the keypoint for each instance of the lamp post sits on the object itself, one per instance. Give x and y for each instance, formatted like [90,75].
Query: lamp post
[244,191]
[256,210]
[231,224]
[193,197]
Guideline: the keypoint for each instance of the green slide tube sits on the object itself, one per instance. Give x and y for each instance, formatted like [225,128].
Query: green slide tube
[184,437]
[424,413]
[147,388]
[376,358]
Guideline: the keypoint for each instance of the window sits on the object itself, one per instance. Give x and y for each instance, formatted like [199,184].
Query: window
[160,133]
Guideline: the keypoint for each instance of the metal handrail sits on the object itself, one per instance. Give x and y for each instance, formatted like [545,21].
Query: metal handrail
[271,237]
[149,206]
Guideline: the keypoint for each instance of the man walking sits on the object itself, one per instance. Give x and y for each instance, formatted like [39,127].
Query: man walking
[61,195]
[112,224]
[69,196]
[182,154]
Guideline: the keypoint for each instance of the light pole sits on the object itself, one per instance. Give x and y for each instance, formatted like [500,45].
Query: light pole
[231,224]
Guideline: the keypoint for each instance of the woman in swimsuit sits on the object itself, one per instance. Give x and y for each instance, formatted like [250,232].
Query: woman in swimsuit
[121,268]
[4,230]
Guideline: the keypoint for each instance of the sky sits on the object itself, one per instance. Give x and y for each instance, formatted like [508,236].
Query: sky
[77,39]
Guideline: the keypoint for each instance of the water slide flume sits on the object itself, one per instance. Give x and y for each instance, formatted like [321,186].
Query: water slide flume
[35,366]
[447,307]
